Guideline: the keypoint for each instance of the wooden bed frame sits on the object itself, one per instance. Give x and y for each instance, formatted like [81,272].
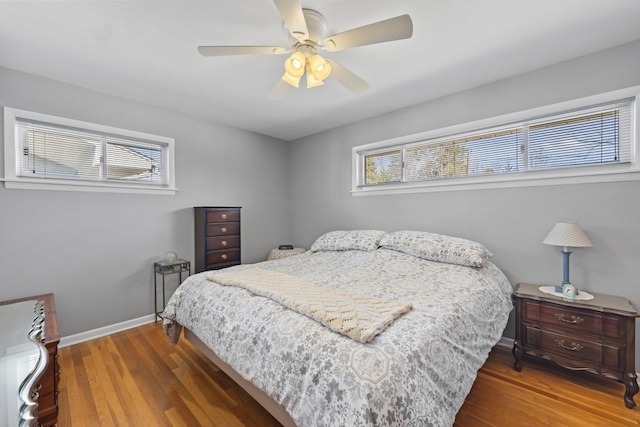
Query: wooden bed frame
[267,402]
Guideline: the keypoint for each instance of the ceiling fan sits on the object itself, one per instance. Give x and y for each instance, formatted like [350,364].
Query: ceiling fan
[307,31]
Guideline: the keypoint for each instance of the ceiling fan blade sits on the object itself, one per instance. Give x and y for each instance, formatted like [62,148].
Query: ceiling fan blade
[241,50]
[280,90]
[400,27]
[291,12]
[347,79]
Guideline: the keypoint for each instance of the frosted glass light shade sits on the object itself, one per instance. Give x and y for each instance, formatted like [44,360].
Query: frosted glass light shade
[294,65]
[312,81]
[316,67]
[319,67]
[567,234]
[294,69]
[293,81]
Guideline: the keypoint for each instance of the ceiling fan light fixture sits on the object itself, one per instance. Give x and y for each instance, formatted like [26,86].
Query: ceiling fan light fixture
[294,69]
[318,67]
[307,31]
[292,80]
[294,65]
[312,81]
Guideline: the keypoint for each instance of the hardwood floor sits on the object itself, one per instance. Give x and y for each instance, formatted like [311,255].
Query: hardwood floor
[137,378]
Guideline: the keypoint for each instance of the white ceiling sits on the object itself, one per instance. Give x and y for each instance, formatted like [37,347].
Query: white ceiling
[146,51]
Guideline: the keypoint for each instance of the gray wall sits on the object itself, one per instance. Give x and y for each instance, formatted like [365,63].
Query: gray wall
[511,222]
[95,251]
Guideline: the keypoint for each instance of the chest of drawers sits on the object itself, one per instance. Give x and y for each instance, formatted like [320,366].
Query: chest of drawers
[217,237]
[595,335]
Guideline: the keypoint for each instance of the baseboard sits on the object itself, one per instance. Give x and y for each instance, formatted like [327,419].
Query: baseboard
[506,342]
[106,330]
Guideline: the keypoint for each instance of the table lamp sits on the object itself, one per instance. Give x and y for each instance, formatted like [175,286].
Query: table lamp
[568,235]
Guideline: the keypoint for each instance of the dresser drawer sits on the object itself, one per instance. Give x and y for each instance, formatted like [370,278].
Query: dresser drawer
[230,256]
[573,320]
[576,352]
[223,229]
[223,215]
[224,242]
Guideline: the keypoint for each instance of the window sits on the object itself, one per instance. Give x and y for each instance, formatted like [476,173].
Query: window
[583,141]
[48,152]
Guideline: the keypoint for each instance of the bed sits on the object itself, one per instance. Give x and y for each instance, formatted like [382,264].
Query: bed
[416,371]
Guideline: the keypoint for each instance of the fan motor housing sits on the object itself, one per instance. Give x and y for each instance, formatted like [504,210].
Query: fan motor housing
[317,27]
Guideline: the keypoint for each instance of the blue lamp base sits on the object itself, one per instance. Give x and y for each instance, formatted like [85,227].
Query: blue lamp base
[565,270]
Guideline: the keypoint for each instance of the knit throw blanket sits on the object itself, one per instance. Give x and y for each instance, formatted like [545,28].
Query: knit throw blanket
[356,316]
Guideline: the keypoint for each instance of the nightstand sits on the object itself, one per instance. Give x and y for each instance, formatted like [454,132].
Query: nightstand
[596,335]
[284,253]
[164,268]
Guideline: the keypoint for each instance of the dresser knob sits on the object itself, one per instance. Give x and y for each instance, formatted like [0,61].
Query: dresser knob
[574,319]
[224,243]
[223,216]
[223,256]
[223,229]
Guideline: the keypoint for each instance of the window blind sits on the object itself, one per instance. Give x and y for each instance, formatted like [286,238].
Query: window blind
[486,153]
[383,167]
[596,135]
[52,151]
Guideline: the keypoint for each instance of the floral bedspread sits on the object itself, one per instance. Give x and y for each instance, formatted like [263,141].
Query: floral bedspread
[417,372]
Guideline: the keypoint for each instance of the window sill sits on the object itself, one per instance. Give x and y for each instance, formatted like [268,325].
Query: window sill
[58,185]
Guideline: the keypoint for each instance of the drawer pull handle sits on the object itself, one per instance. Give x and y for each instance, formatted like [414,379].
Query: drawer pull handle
[573,347]
[223,229]
[224,243]
[223,216]
[574,319]
[223,256]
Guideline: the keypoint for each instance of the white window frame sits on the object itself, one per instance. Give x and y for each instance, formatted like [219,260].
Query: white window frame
[13,180]
[559,176]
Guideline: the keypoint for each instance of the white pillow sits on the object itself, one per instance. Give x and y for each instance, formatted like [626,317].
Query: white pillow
[437,247]
[360,240]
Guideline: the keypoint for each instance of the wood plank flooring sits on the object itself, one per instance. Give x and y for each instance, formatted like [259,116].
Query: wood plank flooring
[137,378]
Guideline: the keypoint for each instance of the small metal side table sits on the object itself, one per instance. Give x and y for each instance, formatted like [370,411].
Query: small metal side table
[165,268]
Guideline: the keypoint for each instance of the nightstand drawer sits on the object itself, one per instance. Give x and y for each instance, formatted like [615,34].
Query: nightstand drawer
[568,319]
[577,352]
